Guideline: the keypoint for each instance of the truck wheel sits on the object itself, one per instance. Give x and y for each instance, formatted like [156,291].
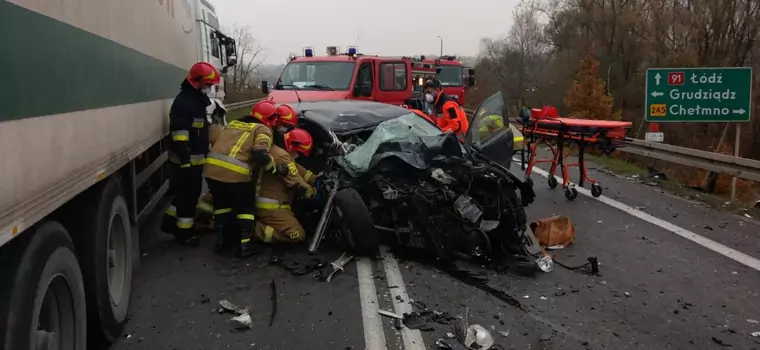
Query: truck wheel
[43,304]
[355,221]
[103,238]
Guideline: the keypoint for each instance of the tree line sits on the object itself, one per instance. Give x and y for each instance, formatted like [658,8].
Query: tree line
[589,58]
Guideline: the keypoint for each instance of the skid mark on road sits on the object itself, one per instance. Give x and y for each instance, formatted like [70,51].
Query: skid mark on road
[730,253]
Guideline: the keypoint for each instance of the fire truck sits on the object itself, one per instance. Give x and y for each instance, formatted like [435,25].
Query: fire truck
[352,75]
[454,77]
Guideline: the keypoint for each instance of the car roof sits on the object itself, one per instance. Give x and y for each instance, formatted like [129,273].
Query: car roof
[344,115]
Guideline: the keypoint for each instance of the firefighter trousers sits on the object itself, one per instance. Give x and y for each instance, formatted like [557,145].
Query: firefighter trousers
[277,224]
[234,206]
[185,186]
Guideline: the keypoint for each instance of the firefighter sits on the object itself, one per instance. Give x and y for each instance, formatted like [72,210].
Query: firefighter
[275,193]
[450,115]
[240,150]
[189,145]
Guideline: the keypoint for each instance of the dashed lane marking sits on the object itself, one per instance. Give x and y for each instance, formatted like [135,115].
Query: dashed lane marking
[374,336]
[412,337]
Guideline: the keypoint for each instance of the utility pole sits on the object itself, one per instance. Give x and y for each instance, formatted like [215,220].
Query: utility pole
[441,39]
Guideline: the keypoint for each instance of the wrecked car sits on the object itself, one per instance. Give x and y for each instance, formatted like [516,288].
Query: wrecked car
[387,170]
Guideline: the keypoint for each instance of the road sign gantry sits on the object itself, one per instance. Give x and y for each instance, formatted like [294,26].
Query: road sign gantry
[698,94]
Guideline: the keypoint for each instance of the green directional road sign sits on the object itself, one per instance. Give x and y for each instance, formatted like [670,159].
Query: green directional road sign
[698,94]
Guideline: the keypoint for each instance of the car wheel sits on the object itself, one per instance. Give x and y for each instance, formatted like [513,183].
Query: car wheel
[355,222]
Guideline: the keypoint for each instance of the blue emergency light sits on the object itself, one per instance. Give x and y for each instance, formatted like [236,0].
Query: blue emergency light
[451,58]
[351,50]
[308,52]
[422,57]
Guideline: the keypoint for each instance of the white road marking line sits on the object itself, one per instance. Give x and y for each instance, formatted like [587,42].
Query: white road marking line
[730,253]
[412,337]
[374,336]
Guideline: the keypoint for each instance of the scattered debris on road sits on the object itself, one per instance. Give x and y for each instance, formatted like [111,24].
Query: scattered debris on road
[339,264]
[555,231]
[273,287]
[390,314]
[243,320]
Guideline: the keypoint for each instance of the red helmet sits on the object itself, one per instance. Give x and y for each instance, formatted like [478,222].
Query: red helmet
[298,140]
[286,115]
[203,73]
[264,111]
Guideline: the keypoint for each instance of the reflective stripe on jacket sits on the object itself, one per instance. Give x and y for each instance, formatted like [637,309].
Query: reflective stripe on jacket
[230,159]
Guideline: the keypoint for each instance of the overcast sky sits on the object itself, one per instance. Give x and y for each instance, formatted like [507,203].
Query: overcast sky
[384,27]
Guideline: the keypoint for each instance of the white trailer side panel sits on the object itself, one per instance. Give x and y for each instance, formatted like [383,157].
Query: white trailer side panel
[92,84]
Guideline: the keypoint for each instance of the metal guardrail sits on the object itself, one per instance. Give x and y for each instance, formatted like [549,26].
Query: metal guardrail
[733,166]
[720,163]
[242,104]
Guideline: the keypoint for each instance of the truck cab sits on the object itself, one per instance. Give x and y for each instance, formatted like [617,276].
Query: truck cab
[454,77]
[351,75]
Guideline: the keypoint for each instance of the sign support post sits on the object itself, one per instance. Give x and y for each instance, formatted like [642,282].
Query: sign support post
[736,154]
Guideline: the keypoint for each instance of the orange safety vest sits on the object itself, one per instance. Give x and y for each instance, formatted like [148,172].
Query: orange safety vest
[459,125]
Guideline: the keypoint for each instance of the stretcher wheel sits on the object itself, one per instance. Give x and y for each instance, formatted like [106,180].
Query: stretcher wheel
[596,189]
[571,193]
[553,182]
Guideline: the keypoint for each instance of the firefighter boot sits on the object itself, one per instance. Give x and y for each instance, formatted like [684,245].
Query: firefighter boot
[186,237]
[223,240]
[248,246]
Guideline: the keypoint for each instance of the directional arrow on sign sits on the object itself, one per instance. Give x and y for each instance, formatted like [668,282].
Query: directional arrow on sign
[657,79]
[657,94]
[739,111]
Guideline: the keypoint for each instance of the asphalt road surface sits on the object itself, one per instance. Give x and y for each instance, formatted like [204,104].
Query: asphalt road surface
[675,274]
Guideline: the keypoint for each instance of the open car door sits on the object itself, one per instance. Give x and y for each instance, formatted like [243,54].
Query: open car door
[489,131]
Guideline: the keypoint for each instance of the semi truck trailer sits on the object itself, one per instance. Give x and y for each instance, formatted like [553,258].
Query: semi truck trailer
[87,89]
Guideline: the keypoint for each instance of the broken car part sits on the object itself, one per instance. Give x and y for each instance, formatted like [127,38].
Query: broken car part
[339,264]
[478,338]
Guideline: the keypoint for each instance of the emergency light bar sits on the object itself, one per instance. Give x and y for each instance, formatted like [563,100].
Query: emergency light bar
[451,58]
[308,52]
[352,51]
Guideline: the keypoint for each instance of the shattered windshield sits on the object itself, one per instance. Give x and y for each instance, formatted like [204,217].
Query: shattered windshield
[450,75]
[317,75]
[409,126]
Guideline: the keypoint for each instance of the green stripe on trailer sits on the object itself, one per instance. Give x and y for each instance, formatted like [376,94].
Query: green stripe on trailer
[51,67]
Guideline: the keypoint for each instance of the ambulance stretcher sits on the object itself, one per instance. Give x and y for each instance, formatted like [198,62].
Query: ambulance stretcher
[546,127]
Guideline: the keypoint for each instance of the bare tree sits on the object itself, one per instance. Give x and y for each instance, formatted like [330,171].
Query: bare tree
[249,54]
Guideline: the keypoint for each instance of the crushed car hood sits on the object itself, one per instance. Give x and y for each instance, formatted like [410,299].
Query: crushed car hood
[407,138]
[348,115]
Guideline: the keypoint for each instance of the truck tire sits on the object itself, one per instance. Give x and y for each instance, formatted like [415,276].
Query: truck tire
[103,238]
[43,304]
[357,228]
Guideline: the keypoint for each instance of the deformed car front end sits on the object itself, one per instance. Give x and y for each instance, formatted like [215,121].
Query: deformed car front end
[421,186]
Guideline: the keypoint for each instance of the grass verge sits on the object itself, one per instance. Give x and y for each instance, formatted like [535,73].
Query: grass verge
[624,168]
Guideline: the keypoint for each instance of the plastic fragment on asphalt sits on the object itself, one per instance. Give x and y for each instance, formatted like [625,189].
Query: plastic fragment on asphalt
[478,338]
[390,314]
[504,334]
[230,307]
[755,334]
[243,321]
[545,263]
[751,320]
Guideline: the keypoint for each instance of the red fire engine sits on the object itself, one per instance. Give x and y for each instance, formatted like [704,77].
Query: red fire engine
[352,75]
[454,77]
